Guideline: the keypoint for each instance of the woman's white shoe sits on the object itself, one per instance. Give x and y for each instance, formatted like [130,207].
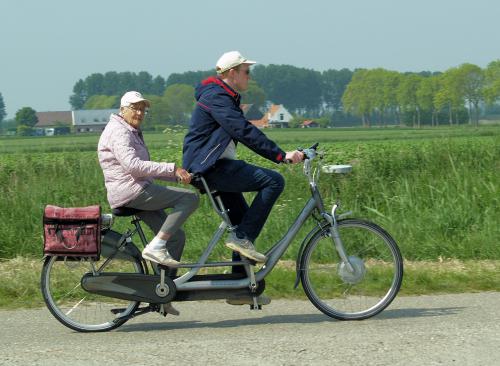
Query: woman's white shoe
[160,256]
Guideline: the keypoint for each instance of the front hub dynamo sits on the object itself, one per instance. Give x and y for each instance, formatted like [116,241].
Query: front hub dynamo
[355,277]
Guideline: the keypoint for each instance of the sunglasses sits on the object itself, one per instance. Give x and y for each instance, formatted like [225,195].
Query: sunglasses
[247,71]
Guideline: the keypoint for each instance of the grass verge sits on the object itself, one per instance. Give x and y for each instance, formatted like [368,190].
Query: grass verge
[20,280]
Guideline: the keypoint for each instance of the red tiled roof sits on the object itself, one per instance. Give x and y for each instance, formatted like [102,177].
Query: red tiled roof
[260,123]
[46,119]
[273,109]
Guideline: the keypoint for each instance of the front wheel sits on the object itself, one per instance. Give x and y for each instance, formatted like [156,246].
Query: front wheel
[352,295]
[76,308]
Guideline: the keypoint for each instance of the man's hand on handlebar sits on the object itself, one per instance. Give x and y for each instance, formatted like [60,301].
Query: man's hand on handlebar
[294,157]
[182,175]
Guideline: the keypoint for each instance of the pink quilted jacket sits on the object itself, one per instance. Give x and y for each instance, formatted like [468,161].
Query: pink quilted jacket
[124,159]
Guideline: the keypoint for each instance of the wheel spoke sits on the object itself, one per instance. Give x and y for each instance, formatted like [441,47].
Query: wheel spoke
[76,305]
[361,293]
[72,305]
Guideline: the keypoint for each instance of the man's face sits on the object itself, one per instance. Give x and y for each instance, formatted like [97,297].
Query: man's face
[134,114]
[241,77]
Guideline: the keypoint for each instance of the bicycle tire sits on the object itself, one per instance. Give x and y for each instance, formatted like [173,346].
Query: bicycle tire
[77,309]
[341,294]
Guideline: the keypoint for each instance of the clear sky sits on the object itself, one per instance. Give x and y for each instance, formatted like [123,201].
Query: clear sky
[46,46]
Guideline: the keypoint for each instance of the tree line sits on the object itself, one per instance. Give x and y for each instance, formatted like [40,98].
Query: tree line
[300,90]
[366,96]
[409,98]
[114,83]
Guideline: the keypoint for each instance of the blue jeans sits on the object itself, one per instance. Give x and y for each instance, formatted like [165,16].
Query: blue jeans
[233,177]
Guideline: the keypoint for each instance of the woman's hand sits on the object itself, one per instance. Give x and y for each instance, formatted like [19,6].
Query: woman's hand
[182,175]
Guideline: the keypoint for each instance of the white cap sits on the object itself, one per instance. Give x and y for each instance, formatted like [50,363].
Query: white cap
[132,97]
[230,60]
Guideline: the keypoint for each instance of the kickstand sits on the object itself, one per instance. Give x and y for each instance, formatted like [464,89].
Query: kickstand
[139,311]
[255,305]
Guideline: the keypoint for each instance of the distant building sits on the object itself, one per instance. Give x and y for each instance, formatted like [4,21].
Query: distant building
[89,120]
[51,119]
[309,124]
[276,116]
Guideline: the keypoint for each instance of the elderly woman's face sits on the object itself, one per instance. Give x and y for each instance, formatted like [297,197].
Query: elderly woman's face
[134,114]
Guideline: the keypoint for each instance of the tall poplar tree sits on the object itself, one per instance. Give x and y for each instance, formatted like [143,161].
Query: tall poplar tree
[2,108]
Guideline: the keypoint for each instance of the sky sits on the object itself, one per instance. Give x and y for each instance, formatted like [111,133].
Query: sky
[47,46]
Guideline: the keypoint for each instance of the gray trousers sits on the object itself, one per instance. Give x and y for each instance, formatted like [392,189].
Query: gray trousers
[152,202]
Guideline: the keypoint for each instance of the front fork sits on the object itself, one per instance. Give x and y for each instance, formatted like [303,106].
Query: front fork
[331,222]
[337,241]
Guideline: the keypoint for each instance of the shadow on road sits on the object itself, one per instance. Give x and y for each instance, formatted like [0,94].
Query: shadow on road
[274,319]
[283,319]
[417,313]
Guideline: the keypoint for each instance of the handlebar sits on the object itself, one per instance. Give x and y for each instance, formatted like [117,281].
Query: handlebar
[309,153]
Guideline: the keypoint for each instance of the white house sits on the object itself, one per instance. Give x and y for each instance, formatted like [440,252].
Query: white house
[275,116]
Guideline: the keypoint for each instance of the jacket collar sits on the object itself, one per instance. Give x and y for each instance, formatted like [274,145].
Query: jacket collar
[122,121]
[218,81]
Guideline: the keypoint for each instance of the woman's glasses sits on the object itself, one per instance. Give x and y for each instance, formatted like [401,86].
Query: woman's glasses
[137,110]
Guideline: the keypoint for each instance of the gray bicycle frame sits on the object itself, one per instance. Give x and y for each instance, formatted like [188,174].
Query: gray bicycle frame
[273,254]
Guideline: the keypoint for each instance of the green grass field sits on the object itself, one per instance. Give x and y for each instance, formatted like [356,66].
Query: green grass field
[435,190]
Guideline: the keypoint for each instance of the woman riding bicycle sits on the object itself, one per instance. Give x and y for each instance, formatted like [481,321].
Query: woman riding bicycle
[129,173]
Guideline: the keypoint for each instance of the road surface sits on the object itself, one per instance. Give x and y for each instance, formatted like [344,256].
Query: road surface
[459,329]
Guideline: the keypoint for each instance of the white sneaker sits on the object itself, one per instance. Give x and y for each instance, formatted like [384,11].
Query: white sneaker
[245,247]
[160,256]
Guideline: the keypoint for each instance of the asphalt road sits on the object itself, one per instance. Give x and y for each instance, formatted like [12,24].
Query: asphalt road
[425,330]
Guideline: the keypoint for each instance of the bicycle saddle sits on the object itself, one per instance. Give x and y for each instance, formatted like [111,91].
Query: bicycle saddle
[124,211]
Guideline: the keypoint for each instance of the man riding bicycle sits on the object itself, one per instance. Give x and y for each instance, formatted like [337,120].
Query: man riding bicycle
[217,125]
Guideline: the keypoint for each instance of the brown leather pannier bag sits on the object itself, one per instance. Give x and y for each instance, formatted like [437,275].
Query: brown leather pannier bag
[74,231]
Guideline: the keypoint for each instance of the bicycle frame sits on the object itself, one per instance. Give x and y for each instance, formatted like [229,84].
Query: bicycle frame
[328,221]
[136,284]
[274,253]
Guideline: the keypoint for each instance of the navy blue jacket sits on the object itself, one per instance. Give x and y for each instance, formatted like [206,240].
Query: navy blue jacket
[216,120]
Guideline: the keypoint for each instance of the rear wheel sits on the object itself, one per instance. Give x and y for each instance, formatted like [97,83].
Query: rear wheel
[341,293]
[76,308]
